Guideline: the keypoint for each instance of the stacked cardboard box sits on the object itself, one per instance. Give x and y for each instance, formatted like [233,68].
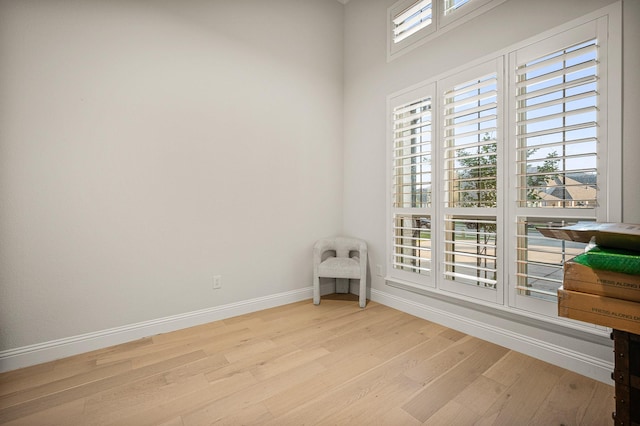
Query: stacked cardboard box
[605,297]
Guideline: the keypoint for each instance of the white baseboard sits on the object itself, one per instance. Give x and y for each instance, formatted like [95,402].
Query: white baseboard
[572,360]
[48,351]
[581,363]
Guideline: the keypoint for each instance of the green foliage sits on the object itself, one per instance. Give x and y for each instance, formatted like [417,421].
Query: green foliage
[477,186]
[477,181]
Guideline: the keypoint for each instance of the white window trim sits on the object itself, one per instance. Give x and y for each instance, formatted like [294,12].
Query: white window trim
[441,24]
[612,211]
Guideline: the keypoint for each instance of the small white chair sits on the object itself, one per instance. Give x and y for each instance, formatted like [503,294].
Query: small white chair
[343,259]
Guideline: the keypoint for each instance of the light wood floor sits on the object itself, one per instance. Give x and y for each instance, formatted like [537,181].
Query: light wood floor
[301,364]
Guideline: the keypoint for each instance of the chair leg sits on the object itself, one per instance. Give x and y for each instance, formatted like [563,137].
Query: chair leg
[363,293]
[316,290]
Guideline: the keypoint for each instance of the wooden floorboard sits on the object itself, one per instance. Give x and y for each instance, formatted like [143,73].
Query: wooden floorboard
[332,364]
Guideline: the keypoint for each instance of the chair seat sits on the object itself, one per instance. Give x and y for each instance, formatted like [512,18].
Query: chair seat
[340,267]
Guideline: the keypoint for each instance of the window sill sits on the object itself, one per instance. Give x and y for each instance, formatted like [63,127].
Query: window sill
[570,328]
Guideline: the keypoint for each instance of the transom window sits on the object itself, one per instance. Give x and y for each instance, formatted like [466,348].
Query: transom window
[412,22]
[418,16]
[451,6]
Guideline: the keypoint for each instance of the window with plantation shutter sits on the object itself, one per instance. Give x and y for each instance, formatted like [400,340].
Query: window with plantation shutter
[482,157]
[539,260]
[412,22]
[451,6]
[470,145]
[454,12]
[558,141]
[412,184]
[557,120]
[471,105]
[470,255]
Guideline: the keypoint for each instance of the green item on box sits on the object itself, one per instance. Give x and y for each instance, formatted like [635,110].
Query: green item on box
[607,259]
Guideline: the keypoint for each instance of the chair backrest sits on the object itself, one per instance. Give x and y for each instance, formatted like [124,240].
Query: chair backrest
[341,245]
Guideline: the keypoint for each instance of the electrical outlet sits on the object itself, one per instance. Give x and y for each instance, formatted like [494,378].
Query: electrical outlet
[217,282]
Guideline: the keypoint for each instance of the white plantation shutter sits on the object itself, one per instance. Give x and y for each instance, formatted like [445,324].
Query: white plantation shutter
[470,146]
[558,143]
[418,16]
[411,22]
[412,184]
[557,119]
[539,260]
[477,166]
[412,154]
[412,243]
[451,6]
[459,11]
[470,254]
[472,160]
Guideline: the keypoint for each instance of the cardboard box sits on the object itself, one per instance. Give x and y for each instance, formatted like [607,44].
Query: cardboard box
[578,277]
[615,235]
[606,311]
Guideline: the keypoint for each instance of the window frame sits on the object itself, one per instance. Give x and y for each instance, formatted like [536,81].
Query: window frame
[610,69]
[440,23]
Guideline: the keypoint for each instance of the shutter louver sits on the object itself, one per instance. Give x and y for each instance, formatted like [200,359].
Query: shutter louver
[412,20]
[556,93]
[470,143]
[453,5]
[412,243]
[470,251]
[412,154]
[557,98]
[412,126]
[540,260]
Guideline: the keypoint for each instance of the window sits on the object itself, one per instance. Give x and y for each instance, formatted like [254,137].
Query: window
[471,102]
[462,10]
[522,141]
[450,6]
[412,22]
[559,122]
[412,185]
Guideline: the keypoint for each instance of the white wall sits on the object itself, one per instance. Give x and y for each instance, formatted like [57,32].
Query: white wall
[147,145]
[369,79]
